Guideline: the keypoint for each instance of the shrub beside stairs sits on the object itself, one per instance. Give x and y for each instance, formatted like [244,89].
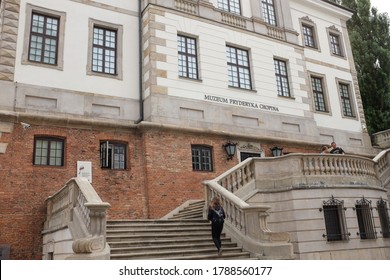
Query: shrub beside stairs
[184,235]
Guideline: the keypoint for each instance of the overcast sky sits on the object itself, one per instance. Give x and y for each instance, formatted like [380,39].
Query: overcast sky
[382,5]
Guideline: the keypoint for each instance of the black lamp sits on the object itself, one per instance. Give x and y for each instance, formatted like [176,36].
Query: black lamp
[230,149]
[277,151]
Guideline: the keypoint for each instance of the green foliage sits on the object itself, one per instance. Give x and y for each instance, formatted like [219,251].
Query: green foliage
[370,40]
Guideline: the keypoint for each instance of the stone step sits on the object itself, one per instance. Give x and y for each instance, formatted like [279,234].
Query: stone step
[184,236]
[179,254]
[168,242]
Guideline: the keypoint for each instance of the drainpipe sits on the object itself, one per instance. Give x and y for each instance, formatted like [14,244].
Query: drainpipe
[140,53]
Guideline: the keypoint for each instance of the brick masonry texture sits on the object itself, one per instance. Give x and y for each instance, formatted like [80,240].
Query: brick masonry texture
[158,179]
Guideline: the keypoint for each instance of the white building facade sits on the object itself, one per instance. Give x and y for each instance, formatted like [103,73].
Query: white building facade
[146,95]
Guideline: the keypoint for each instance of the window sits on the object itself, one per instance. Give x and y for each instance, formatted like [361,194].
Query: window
[44,37]
[269,11]
[308,36]
[104,50]
[346,103]
[112,155]
[365,219]
[202,159]
[48,151]
[335,224]
[105,53]
[318,94]
[335,45]
[281,78]
[231,6]
[238,68]
[384,218]
[245,155]
[187,57]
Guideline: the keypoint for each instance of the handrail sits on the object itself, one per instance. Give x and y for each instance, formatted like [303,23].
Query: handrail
[78,207]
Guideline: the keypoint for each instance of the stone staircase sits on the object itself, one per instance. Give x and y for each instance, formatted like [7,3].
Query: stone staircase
[186,235]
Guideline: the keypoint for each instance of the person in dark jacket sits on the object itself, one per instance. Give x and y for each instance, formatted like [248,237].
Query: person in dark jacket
[216,215]
[335,149]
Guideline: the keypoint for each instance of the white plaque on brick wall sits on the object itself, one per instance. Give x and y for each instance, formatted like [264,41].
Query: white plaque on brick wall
[84,170]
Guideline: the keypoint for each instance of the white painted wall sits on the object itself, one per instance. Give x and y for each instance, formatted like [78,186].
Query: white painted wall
[212,40]
[74,77]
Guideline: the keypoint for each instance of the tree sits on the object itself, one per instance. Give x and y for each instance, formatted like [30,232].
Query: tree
[370,41]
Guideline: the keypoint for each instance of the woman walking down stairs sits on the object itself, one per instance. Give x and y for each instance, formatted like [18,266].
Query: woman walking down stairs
[183,235]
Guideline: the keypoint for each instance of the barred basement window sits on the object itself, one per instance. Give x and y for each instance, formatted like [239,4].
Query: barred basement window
[48,151]
[335,223]
[384,218]
[365,219]
[202,159]
[113,155]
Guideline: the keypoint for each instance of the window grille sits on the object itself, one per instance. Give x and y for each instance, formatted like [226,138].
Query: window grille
[365,219]
[384,217]
[336,228]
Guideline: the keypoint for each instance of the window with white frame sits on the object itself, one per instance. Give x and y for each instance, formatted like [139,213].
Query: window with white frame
[187,57]
[113,155]
[231,6]
[281,75]
[268,8]
[238,67]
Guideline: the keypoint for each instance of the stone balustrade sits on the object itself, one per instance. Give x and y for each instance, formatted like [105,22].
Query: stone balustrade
[248,223]
[382,139]
[77,211]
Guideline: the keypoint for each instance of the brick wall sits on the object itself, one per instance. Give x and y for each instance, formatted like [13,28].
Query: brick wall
[159,176]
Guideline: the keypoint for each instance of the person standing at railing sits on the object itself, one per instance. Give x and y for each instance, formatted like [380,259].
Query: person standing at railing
[324,150]
[336,150]
[217,216]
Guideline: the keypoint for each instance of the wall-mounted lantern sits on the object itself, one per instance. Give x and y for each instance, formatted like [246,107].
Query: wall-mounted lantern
[230,149]
[277,151]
